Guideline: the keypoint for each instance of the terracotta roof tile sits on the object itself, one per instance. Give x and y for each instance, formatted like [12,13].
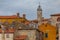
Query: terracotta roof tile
[45,19]
[35,21]
[10,31]
[57,14]
[21,37]
[27,22]
[13,16]
[0,30]
[7,31]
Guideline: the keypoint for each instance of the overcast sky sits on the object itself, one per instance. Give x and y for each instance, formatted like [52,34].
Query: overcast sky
[29,7]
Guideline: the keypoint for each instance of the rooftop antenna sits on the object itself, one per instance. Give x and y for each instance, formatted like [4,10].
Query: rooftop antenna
[39,3]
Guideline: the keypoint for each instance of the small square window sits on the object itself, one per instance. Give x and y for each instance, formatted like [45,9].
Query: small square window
[57,38]
[46,35]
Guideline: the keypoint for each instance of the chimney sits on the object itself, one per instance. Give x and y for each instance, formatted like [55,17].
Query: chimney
[24,15]
[18,15]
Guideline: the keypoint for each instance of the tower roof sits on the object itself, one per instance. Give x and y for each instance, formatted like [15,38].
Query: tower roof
[39,8]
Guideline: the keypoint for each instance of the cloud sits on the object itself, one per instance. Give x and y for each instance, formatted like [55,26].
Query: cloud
[9,7]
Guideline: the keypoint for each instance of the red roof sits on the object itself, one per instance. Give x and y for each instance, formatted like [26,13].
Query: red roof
[7,31]
[58,18]
[0,30]
[35,21]
[27,22]
[56,14]
[21,37]
[13,16]
[10,31]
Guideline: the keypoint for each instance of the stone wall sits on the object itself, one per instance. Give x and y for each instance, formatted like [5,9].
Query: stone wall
[31,34]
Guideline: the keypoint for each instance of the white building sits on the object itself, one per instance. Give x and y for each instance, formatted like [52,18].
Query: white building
[6,34]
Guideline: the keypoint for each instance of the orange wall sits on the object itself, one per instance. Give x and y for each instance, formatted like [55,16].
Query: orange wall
[50,30]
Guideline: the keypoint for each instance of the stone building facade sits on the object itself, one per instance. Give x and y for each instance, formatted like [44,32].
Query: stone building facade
[55,21]
[6,34]
[20,31]
[30,31]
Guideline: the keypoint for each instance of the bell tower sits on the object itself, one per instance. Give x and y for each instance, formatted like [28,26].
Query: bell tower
[39,14]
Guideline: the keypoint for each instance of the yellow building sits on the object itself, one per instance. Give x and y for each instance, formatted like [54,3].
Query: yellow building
[49,31]
[12,18]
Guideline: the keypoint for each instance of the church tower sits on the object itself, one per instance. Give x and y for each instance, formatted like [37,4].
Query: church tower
[39,14]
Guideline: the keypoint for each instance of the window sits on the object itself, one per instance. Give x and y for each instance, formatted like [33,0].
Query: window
[58,19]
[46,35]
[57,31]
[57,38]
[0,26]
[7,35]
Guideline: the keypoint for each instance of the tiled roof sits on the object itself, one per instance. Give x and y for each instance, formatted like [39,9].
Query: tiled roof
[13,16]
[24,27]
[45,19]
[7,31]
[27,22]
[10,30]
[35,21]
[57,14]
[21,37]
